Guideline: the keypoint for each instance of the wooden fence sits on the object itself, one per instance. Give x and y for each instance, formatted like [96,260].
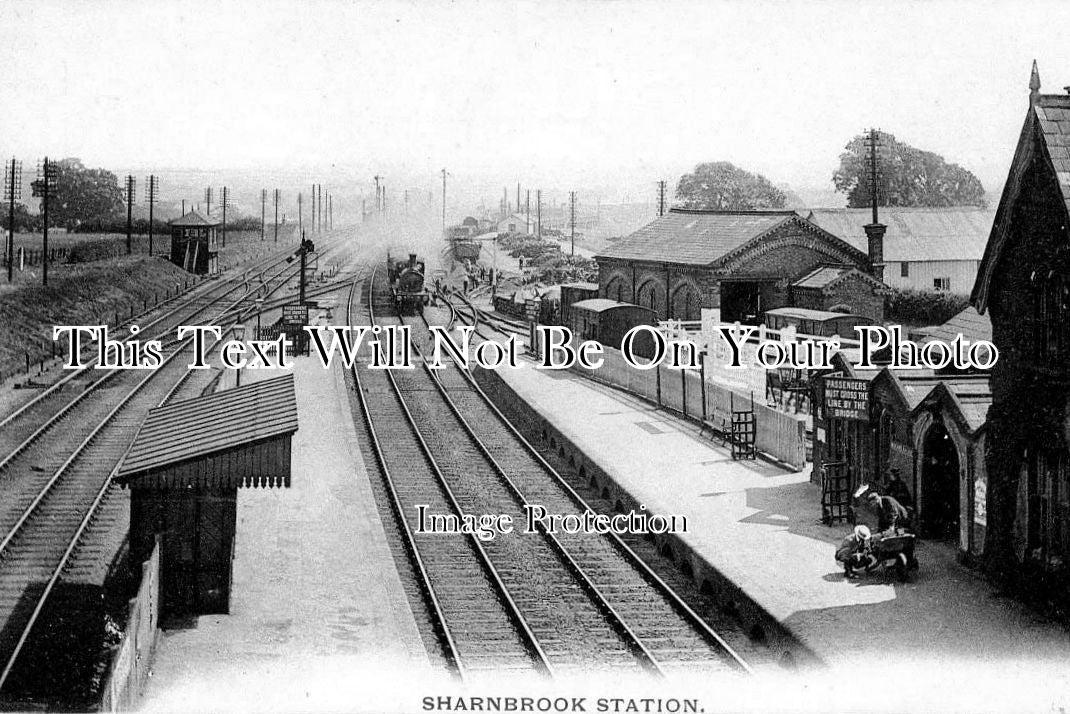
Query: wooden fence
[130,666]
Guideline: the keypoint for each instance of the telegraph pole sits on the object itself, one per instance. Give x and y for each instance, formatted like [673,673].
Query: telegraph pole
[12,189]
[48,175]
[330,212]
[661,198]
[153,195]
[572,219]
[300,216]
[130,187]
[518,197]
[378,199]
[871,143]
[538,210]
[208,199]
[444,174]
[263,208]
[527,210]
[226,202]
[276,215]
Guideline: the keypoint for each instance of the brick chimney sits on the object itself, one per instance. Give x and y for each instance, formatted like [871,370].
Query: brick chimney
[875,235]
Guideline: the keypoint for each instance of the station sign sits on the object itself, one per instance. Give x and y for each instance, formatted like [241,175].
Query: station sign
[846,399]
[295,315]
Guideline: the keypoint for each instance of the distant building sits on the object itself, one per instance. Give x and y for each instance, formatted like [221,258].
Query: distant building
[517,223]
[924,248]
[193,243]
[740,264]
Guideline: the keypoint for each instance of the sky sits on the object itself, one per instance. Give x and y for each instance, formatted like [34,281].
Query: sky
[603,96]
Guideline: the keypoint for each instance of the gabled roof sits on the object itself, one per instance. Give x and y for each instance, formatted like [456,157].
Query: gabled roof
[194,219]
[699,237]
[966,399]
[969,323]
[827,277]
[201,427]
[1048,119]
[914,234]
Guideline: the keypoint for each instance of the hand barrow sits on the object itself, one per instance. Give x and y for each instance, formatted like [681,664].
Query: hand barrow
[894,551]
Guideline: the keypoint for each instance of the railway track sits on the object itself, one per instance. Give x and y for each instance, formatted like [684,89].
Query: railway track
[26,421]
[587,601]
[59,470]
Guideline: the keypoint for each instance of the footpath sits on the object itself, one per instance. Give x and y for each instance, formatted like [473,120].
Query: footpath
[754,537]
[317,607]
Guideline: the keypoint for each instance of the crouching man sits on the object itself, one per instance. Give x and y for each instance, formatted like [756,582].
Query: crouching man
[853,552]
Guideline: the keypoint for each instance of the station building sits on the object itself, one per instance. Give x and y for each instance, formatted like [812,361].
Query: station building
[740,264]
[1023,285]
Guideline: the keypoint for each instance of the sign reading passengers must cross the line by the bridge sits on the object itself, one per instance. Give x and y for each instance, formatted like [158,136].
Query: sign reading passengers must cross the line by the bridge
[847,399]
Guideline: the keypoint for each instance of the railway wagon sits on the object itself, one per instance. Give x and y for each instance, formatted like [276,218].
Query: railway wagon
[464,250]
[607,321]
[572,293]
[407,285]
[820,323]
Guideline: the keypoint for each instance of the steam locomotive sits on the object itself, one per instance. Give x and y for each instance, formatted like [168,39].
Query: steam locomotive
[407,285]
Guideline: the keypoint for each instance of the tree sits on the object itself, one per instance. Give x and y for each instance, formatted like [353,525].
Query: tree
[722,186]
[905,176]
[79,194]
[24,220]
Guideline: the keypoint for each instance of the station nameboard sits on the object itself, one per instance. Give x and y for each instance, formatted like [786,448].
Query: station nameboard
[295,314]
[847,399]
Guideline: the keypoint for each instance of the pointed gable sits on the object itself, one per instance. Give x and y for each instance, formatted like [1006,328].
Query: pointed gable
[1045,138]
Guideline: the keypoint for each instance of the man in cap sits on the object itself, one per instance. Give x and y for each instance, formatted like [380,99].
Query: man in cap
[893,518]
[852,552]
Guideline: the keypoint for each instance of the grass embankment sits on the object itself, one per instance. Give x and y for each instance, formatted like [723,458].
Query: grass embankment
[78,294]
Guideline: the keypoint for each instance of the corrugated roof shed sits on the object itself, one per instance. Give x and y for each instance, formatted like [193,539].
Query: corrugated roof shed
[194,219]
[692,237]
[206,426]
[914,234]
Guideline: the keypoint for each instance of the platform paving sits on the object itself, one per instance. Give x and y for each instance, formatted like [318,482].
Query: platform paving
[758,526]
[317,607]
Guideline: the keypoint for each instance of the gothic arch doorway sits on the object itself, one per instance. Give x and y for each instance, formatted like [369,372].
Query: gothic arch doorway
[939,484]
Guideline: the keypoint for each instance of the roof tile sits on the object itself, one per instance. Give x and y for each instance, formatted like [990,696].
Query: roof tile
[695,237]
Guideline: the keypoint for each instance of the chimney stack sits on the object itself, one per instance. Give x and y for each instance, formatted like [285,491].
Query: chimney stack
[875,238]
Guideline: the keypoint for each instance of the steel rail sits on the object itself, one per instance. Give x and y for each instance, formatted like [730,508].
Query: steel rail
[438,617]
[190,297]
[599,599]
[542,662]
[73,543]
[627,552]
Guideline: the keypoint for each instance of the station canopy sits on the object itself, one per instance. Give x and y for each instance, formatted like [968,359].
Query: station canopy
[236,437]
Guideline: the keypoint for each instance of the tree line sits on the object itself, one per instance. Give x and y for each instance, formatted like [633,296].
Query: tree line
[906,176]
[85,200]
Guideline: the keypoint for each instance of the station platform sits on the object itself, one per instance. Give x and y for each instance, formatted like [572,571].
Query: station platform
[756,526]
[315,599]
